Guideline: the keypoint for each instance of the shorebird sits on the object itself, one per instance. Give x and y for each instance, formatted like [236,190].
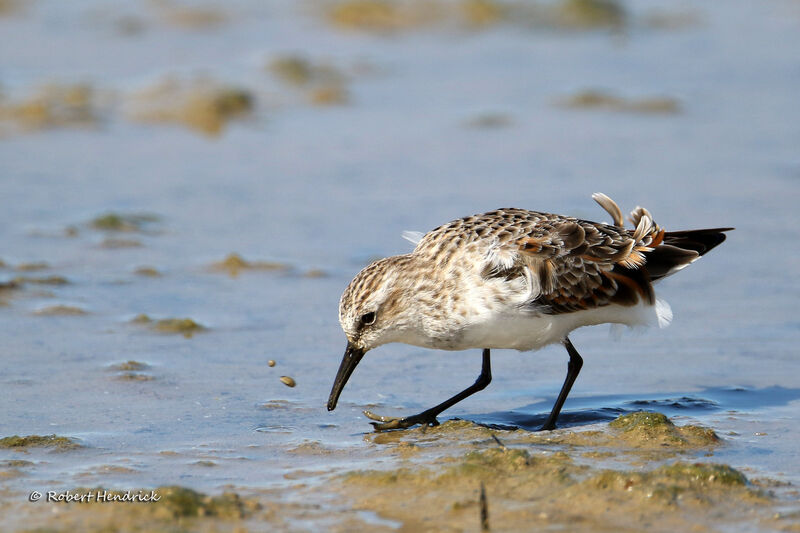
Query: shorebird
[513,278]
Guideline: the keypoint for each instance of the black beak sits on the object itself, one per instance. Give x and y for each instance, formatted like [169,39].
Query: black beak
[352,356]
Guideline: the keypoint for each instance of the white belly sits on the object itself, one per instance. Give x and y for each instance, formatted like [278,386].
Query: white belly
[524,331]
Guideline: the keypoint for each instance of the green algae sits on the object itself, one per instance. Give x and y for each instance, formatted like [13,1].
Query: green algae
[479,13]
[16,463]
[703,473]
[115,243]
[185,326]
[129,366]
[60,310]
[301,71]
[234,264]
[40,280]
[51,106]
[591,13]
[322,84]
[9,7]
[189,17]
[329,95]
[185,502]
[9,285]
[203,105]
[370,15]
[489,120]
[172,502]
[134,376]
[383,16]
[147,272]
[595,99]
[38,441]
[650,429]
[699,484]
[495,459]
[640,419]
[293,69]
[32,267]
[386,477]
[123,222]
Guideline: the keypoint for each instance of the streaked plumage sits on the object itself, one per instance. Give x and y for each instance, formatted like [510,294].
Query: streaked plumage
[513,278]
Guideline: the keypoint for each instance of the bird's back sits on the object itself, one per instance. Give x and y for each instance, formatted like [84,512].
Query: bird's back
[523,269]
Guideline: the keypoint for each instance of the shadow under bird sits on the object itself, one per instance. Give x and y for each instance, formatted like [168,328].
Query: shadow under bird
[513,278]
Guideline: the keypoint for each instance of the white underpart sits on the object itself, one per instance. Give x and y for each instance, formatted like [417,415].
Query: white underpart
[663,316]
[522,330]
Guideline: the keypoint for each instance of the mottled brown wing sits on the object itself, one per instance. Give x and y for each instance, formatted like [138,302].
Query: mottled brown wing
[584,265]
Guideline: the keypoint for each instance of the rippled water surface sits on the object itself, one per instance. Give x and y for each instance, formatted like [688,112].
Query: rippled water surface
[436,124]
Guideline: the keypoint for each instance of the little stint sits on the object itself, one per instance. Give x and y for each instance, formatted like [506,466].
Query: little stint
[513,278]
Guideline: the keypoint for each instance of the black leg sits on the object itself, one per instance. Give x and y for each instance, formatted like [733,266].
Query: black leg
[573,369]
[429,416]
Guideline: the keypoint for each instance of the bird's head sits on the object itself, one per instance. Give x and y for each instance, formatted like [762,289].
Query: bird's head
[373,311]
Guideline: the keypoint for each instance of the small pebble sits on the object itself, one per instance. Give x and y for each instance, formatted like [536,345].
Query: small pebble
[270,363]
[289,382]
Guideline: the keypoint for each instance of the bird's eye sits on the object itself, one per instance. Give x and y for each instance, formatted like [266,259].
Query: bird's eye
[368,318]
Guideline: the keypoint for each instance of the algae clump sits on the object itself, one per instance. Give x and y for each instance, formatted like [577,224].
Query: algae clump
[190,17]
[52,106]
[591,13]
[599,99]
[185,326]
[234,263]
[45,280]
[373,15]
[184,502]
[147,271]
[130,366]
[175,502]
[123,222]
[323,84]
[31,267]
[640,419]
[704,473]
[201,104]
[646,429]
[38,441]
[60,310]
[495,459]
[479,13]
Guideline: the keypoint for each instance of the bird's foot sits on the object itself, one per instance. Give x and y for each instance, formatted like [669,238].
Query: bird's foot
[383,423]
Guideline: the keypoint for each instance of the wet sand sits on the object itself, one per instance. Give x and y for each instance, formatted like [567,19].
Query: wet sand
[638,472]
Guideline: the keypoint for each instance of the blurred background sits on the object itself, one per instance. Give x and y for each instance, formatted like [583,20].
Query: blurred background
[187,187]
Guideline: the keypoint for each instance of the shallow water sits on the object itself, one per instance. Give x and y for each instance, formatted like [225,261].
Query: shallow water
[329,188]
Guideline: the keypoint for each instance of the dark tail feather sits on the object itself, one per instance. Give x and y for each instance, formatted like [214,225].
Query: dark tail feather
[680,248]
[699,240]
